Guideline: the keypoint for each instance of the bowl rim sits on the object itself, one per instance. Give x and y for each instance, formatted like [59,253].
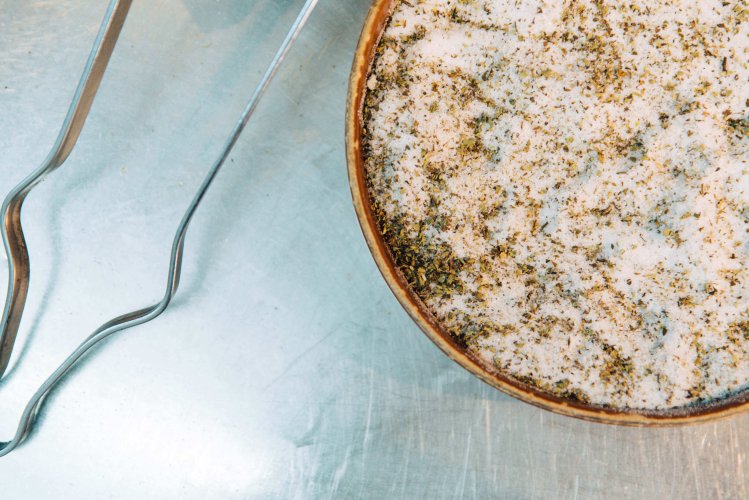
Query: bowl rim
[376,20]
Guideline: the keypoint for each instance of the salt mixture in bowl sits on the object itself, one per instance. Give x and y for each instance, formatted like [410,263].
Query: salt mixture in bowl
[565,186]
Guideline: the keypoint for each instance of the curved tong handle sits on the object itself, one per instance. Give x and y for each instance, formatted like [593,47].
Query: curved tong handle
[12,232]
[146,314]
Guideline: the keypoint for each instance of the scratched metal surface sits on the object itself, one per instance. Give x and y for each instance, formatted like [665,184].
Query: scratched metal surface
[285,369]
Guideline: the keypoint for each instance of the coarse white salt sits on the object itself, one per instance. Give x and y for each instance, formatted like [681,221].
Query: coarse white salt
[565,184]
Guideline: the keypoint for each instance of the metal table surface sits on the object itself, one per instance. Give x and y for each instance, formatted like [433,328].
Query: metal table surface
[285,368]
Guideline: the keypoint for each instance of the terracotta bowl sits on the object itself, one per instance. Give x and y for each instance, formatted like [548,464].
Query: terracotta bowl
[373,27]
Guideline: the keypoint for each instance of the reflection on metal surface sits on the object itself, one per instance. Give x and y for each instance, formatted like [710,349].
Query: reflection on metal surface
[116,16]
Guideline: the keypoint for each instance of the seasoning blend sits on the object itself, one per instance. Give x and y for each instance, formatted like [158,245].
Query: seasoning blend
[565,185]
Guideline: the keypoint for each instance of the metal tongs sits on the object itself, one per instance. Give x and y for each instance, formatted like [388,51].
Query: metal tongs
[12,230]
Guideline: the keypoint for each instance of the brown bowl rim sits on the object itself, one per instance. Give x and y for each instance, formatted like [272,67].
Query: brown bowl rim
[374,24]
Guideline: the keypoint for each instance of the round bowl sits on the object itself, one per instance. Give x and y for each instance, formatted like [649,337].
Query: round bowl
[375,23]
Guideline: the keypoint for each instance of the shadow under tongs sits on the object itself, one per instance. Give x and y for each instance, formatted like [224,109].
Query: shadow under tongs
[49,284]
[56,205]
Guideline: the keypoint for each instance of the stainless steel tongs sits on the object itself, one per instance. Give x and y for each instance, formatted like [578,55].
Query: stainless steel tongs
[15,244]
[12,231]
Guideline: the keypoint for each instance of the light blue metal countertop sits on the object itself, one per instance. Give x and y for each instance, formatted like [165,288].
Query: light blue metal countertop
[285,368]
